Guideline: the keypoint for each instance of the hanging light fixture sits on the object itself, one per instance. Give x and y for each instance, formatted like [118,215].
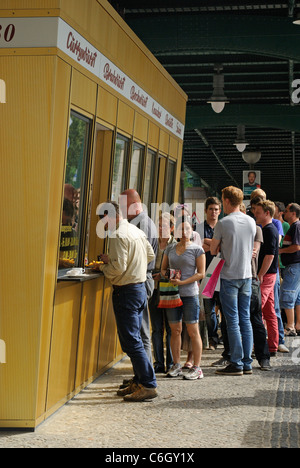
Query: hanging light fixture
[2,92]
[218,99]
[241,141]
[297,19]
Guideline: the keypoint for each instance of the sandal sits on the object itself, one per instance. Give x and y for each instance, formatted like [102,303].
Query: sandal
[290,332]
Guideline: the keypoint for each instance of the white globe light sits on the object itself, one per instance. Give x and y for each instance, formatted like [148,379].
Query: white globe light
[218,107]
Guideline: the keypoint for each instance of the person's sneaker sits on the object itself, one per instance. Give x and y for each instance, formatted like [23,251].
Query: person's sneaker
[283,349]
[141,394]
[247,371]
[221,363]
[175,371]
[194,373]
[230,370]
[265,365]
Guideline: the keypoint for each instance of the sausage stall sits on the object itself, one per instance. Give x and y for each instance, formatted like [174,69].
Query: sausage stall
[87,111]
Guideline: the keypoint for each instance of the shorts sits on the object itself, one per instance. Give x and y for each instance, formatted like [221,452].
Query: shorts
[188,312]
[290,287]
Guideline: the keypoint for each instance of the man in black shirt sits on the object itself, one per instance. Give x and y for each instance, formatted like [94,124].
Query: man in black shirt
[267,269]
[290,257]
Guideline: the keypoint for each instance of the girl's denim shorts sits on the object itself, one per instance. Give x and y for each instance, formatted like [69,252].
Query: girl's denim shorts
[188,312]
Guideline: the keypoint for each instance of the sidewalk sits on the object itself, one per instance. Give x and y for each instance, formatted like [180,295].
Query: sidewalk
[260,411]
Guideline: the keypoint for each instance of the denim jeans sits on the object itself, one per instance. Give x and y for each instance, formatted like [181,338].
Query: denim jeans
[290,287]
[160,328]
[211,319]
[235,297]
[129,303]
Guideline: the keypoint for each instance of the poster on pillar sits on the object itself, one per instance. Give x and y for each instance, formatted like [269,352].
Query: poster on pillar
[251,181]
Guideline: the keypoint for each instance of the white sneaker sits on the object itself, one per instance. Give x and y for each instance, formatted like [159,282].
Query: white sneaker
[195,373]
[283,349]
[175,371]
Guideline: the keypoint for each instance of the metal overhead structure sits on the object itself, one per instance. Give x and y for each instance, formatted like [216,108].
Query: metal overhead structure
[259,48]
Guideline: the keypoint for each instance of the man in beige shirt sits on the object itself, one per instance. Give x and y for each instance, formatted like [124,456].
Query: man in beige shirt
[126,267]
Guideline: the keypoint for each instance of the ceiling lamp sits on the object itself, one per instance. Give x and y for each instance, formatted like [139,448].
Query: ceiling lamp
[241,141]
[297,20]
[218,99]
[2,92]
[251,157]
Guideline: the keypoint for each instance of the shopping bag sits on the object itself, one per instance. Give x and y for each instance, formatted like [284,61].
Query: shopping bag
[211,282]
[169,296]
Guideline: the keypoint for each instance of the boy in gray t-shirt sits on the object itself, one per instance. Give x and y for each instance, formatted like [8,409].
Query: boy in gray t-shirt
[236,233]
[234,236]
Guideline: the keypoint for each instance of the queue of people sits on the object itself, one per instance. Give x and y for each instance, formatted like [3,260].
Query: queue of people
[259,252]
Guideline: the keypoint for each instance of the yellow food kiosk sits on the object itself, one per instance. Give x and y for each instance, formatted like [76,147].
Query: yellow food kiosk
[86,111]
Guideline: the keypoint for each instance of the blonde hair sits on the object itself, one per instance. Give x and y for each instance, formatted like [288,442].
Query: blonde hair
[234,195]
[258,193]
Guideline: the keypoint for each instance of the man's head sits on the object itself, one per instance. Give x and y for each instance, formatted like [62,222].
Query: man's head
[252,177]
[264,212]
[109,214]
[212,209]
[130,204]
[279,209]
[258,193]
[292,213]
[254,202]
[232,197]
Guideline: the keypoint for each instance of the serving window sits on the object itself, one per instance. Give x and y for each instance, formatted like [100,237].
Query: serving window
[170,182]
[120,167]
[75,192]
[137,166]
[149,185]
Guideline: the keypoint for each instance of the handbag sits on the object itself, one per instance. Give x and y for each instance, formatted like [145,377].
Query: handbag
[169,296]
[211,282]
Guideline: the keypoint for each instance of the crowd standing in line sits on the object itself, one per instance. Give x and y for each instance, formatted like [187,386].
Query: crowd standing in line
[260,249]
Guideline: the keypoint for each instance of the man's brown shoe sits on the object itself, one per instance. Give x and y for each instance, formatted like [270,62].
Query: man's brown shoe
[133,387]
[141,394]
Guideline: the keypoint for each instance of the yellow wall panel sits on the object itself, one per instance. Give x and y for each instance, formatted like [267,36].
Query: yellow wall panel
[164,140]
[125,117]
[25,140]
[84,92]
[27,4]
[89,332]
[153,138]
[108,339]
[107,106]
[141,125]
[173,149]
[64,342]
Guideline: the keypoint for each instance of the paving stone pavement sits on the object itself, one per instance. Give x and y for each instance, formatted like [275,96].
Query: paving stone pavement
[258,411]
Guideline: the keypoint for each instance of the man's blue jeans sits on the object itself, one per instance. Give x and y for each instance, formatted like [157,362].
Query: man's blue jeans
[129,303]
[235,297]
